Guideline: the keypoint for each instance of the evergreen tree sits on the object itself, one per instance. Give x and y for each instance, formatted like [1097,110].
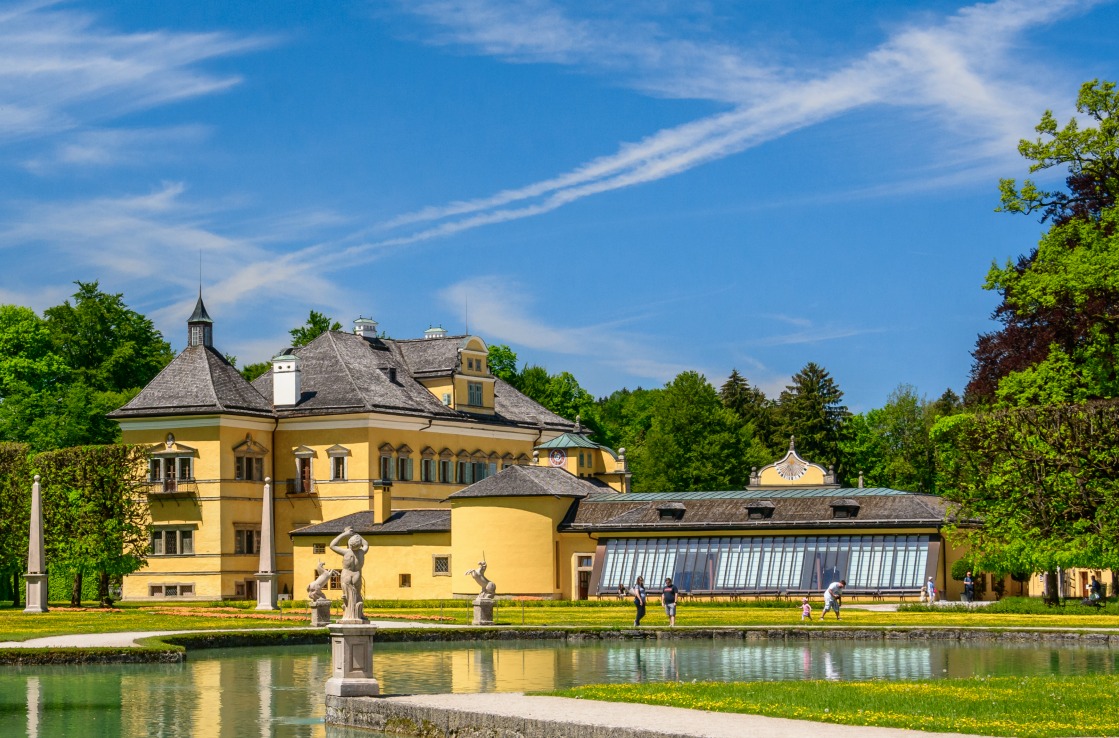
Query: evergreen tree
[752,406]
[811,409]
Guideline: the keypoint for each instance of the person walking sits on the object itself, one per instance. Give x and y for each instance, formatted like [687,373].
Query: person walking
[930,589]
[806,609]
[833,597]
[639,600]
[969,587]
[668,599]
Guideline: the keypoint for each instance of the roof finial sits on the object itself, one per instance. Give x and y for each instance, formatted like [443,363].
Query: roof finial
[578,423]
[792,443]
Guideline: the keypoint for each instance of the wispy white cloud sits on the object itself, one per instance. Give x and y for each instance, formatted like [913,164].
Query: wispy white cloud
[503,311]
[115,147]
[61,72]
[153,241]
[958,70]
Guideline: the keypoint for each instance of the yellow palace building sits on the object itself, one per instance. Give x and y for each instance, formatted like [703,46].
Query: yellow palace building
[438,464]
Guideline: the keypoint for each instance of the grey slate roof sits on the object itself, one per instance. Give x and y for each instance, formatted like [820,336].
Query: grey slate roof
[197,381]
[340,373]
[431,357]
[622,512]
[346,373]
[401,521]
[529,481]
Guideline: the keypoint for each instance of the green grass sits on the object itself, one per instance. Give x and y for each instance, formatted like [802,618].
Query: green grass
[16,625]
[1032,707]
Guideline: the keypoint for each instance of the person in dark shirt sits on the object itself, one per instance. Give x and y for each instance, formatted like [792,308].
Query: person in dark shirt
[639,600]
[668,599]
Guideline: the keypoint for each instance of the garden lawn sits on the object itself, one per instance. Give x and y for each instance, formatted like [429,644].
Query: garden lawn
[15,625]
[621,616]
[1032,707]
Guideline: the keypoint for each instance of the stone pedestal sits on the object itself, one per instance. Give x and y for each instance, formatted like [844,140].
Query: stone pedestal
[351,650]
[36,592]
[320,614]
[483,612]
[266,591]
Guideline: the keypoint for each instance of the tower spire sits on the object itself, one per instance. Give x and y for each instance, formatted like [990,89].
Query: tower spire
[200,326]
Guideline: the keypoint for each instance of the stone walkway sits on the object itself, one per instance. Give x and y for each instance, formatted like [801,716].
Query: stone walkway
[526,715]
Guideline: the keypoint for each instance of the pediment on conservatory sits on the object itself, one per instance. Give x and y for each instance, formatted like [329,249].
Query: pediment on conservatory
[792,470]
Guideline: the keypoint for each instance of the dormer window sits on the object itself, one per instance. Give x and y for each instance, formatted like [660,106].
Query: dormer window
[846,508]
[760,509]
[671,511]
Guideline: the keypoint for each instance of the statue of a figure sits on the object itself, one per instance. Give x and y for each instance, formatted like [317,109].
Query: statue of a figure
[488,587]
[322,576]
[353,558]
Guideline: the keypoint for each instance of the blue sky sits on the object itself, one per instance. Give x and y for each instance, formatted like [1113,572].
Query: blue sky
[621,190]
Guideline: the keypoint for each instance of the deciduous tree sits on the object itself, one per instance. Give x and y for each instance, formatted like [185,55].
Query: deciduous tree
[316,325]
[96,515]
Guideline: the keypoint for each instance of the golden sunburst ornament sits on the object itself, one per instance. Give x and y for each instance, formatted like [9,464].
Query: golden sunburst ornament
[791,468]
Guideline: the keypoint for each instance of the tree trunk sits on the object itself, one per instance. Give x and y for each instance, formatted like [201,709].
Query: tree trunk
[103,589]
[1052,592]
[15,590]
[76,591]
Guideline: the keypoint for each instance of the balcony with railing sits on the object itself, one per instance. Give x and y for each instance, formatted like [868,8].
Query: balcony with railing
[172,487]
[296,486]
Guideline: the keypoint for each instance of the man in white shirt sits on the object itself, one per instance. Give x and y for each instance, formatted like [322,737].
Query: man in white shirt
[832,596]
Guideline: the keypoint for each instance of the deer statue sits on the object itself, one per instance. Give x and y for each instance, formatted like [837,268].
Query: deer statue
[322,576]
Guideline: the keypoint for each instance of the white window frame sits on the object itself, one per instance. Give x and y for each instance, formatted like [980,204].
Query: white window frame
[242,540]
[339,468]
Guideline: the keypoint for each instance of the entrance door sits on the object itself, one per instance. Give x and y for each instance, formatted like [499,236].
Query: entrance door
[584,584]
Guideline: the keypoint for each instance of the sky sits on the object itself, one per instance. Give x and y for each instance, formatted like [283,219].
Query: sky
[621,190]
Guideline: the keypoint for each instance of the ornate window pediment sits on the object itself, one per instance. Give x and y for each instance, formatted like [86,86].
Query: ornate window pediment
[249,447]
[337,450]
[304,452]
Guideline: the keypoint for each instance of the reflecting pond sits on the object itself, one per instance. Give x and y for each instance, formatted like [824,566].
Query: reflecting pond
[278,692]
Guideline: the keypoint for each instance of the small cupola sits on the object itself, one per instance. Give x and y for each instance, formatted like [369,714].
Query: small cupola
[365,327]
[287,378]
[433,332]
[200,327]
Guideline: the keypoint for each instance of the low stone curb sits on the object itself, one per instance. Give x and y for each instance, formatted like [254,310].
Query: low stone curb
[517,715]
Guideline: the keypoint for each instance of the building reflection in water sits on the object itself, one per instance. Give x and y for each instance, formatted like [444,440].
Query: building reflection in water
[278,693]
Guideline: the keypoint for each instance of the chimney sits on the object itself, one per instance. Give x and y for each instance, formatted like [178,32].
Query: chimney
[439,332]
[365,327]
[286,378]
[382,501]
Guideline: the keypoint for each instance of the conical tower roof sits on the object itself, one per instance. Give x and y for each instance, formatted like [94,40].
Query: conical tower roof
[199,315]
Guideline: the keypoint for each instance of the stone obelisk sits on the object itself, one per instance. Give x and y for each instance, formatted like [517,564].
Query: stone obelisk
[36,576]
[266,576]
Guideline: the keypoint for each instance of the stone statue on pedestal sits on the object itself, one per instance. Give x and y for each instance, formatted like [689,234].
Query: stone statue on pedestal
[320,605]
[483,603]
[488,587]
[353,559]
[322,576]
